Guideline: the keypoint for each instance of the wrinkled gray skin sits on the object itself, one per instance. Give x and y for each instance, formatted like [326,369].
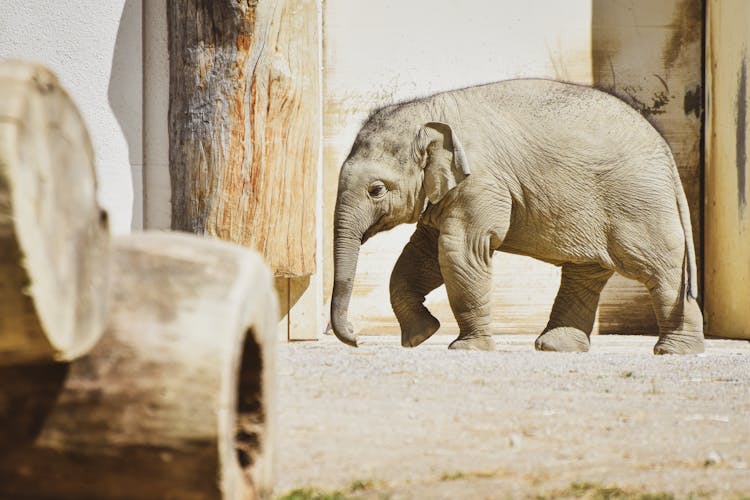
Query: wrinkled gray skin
[562,173]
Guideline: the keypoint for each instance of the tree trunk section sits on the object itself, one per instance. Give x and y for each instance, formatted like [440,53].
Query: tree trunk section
[54,240]
[244,125]
[175,401]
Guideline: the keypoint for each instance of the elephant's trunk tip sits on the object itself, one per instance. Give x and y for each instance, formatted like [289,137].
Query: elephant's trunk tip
[344,332]
[347,337]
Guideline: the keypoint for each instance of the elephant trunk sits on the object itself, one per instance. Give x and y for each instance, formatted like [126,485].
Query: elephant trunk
[346,244]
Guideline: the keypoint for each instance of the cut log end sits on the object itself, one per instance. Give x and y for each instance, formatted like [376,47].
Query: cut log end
[54,250]
[176,400]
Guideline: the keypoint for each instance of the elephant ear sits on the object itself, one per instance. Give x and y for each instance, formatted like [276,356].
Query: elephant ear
[443,159]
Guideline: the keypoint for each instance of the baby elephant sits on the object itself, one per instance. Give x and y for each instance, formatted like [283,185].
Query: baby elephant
[563,173]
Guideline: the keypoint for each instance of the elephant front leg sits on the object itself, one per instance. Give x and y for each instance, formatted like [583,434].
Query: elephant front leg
[573,313]
[466,264]
[416,274]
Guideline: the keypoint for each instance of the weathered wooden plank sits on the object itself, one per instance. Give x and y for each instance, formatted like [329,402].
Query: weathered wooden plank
[282,292]
[54,239]
[305,308]
[727,234]
[175,401]
[300,308]
[244,125]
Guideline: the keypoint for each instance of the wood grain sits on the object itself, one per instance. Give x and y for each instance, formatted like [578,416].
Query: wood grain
[54,240]
[175,401]
[244,125]
[727,270]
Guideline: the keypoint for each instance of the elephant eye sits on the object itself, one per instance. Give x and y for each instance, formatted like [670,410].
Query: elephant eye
[377,189]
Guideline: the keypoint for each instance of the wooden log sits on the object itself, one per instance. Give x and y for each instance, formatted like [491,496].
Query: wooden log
[244,125]
[176,400]
[54,240]
[727,250]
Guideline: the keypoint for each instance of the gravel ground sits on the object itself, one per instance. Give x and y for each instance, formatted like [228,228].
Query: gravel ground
[386,422]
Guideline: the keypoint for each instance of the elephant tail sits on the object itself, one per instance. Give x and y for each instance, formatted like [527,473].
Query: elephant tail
[690,270]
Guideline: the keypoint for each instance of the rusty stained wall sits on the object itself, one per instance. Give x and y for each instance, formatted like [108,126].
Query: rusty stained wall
[375,54]
[650,55]
[727,129]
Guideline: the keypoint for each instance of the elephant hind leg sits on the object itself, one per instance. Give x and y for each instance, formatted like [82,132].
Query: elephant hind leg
[574,310]
[679,317]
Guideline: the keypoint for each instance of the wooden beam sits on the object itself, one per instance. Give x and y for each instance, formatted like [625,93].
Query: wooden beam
[727,230]
[54,239]
[306,314]
[244,125]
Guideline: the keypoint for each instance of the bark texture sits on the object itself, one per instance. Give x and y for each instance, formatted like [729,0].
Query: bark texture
[176,399]
[244,125]
[54,241]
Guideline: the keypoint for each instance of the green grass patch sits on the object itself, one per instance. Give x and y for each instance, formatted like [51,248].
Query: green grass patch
[310,493]
[594,491]
[453,476]
[313,493]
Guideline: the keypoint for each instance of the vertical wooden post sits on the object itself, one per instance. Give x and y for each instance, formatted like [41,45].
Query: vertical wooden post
[244,125]
[727,236]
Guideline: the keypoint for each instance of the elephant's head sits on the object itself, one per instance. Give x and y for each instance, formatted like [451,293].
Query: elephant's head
[396,164]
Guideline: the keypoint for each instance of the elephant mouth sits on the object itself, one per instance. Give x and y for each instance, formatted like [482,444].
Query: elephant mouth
[374,229]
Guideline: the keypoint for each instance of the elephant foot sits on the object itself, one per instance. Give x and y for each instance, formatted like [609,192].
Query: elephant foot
[563,339]
[479,343]
[680,343]
[414,334]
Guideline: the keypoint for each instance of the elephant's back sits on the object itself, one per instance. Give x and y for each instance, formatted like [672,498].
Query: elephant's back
[571,124]
[538,95]
[530,102]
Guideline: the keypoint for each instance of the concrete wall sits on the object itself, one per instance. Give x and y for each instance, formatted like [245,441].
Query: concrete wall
[94,47]
[157,191]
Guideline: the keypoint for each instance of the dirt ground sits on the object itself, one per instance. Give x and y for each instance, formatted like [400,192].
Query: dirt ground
[381,421]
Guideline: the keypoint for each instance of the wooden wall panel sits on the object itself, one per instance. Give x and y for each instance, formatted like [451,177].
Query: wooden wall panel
[727,271]
[244,125]
[649,54]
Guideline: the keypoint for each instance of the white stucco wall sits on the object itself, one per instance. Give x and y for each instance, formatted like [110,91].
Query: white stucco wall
[95,48]
[157,190]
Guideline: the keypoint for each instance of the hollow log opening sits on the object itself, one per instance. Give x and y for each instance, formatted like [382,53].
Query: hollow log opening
[250,411]
[27,395]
